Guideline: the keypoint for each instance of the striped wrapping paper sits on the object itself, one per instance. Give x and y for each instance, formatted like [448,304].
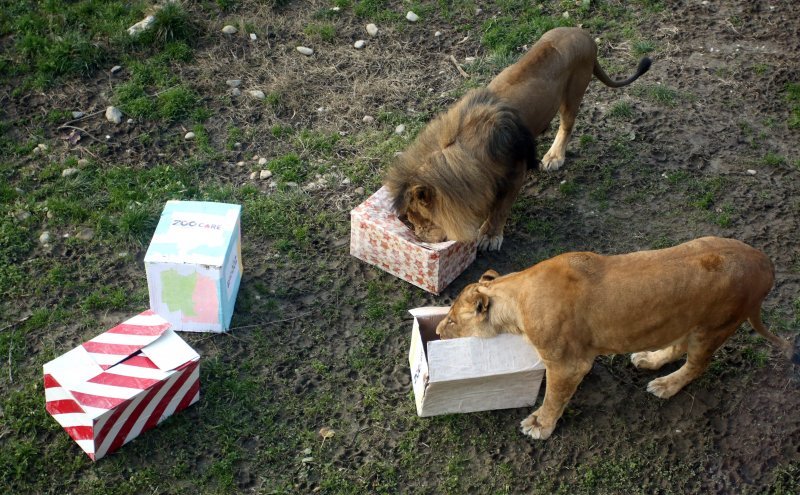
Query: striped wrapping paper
[108,390]
[378,237]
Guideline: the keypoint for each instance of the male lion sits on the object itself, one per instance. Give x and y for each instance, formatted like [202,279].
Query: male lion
[460,177]
[658,304]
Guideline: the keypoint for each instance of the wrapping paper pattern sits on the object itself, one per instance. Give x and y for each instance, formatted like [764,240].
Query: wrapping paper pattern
[380,238]
[107,391]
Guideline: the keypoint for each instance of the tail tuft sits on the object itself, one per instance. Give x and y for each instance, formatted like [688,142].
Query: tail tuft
[796,352]
[644,66]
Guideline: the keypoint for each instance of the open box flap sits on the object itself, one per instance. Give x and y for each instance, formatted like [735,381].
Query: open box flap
[475,357]
[170,351]
[72,367]
[117,344]
[428,311]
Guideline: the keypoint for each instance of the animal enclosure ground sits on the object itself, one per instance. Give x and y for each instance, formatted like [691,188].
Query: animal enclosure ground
[706,143]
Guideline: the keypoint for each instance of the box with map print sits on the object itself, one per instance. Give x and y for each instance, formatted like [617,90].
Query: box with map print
[194,265]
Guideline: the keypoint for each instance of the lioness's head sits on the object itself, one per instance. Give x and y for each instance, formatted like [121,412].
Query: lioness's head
[469,314]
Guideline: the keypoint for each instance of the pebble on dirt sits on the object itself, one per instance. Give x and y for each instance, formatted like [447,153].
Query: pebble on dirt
[233,83]
[372,29]
[262,161]
[411,16]
[230,29]
[264,174]
[69,171]
[368,119]
[116,69]
[305,50]
[114,114]
[751,171]
[253,175]
[257,93]
[358,45]
[189,136]
[400,129]
[44,238]
[253,36]
[77,115]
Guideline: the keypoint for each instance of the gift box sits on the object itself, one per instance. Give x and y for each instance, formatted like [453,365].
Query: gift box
[194,265]
[108,390]
[380,238]
[470,374]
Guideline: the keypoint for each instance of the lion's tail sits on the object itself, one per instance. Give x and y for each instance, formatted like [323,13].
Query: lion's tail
[789,350]
[599,73]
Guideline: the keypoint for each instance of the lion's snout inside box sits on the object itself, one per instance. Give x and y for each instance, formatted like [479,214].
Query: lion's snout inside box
[470,374]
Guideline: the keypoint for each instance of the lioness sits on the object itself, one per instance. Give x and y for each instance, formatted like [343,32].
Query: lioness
[460,177]
[658,304]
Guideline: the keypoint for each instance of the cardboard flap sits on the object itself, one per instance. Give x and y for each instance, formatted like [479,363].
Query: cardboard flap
[117,344]
[428,311]
[474,357]
[72,367]
[170,351]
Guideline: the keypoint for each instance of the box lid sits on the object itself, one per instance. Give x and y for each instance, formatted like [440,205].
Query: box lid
[193,232]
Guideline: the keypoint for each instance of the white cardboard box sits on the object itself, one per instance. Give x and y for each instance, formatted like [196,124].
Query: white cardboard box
[470,374]
[194,265]
[380,238]
[108,390]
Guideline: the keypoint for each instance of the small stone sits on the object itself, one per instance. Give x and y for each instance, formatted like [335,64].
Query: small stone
[253,36]
[236,92]
[234,83]
[50,215]
[307,460]
[305,50]
[44,238]
[116,69]
[336,9]
[359,191]
[437,34]
[751,171]
[240,164]
[237,145]
[372,29]
[257,93]
[358,45]
[22,215]
[255,158]
[230,29]
[42,146]
[478,11]
[189,136]
[108,136]
[565,15]
[412,17]
[113,114]
[264,175]
[85,234]
[77,115]
[262,161]
[345,181]
[69,171]
[253,175]
[400,129]
[368,119]
[83,162]
[307,451]
[131,121]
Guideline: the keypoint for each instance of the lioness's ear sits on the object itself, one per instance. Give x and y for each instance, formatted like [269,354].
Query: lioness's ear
[489,276]
[481,303]
[423,194]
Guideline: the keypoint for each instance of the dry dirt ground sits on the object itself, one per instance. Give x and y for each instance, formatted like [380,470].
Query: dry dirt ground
[321,339]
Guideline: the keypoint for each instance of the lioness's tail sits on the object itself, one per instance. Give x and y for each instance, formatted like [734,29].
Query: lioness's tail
[788,349]
[599,73]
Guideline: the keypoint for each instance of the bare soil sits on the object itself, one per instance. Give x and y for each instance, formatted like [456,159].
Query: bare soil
[638,183]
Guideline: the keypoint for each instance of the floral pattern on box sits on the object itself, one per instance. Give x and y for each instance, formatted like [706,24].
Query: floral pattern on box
[380,238]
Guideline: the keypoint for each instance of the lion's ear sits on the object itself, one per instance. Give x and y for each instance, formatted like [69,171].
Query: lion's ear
[481,303]
[488,276]
[422,194]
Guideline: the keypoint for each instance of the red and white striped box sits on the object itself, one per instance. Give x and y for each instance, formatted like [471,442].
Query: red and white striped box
[380,238]
[108,390]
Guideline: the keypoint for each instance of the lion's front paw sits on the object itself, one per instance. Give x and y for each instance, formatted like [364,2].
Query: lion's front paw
[490,243]
[664,387]
[531,427]
[642,361]
[551,163]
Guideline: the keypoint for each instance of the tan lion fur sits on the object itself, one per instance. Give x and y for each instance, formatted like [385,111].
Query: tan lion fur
[658,304]
[459,179]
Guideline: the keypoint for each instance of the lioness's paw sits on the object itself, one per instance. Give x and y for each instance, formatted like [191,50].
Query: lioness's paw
[550,163]
[490,243]
[642,360]
[664,387]
[531,427]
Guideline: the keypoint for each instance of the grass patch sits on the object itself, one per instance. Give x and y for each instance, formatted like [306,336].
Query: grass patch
[659,94]
[519,23]
[621,110]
